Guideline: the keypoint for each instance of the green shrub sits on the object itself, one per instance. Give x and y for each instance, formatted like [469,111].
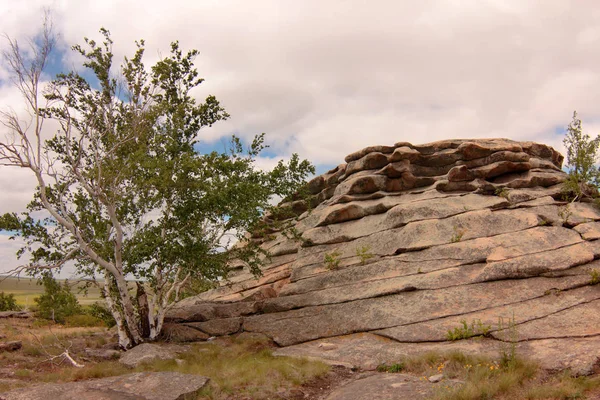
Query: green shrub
[57,302]
[466,331]
[394,368]
[101,312]
[332,260]
[8,302]
[582,154]
[364,254]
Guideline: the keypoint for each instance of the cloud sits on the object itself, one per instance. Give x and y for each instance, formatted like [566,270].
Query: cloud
[325,79]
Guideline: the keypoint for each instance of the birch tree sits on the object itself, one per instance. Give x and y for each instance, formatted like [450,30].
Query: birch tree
[126,194]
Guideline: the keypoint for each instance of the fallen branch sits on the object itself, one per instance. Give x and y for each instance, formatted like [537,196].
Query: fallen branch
[64,356]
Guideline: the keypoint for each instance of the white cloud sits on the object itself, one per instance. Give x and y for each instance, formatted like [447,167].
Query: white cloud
[327,78]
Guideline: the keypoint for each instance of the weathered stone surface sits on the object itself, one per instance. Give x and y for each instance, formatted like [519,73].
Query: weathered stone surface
[138,386]
[319,321]
[407,241]
[366,351]
[549,303]
[218,327]
[385,387]
[589,230]
[146,352]
[180,333]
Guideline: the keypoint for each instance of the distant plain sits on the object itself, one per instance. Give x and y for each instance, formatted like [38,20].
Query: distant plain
[26,289]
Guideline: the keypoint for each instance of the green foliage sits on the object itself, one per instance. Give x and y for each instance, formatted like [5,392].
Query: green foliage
[57,302]
[582,155]
[8,302]
[364,254]
[502,192]
[102,313]
[594,276]
[466,331]
[393,368]
[135,197]
[332,260]
[509,336]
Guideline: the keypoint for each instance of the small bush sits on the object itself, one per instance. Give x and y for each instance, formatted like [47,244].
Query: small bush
[364,254]
[394,368]
[332,260]
[57,302]
[8,302]
[466,331]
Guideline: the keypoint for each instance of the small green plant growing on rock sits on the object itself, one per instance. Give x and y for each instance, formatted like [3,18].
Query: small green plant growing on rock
[466,331]
[393,368]
[508,341]
[364,254]
[594,276]
[458,234]
[502,192]
[332,260]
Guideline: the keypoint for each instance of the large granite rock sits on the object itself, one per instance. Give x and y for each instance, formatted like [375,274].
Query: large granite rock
[419,239]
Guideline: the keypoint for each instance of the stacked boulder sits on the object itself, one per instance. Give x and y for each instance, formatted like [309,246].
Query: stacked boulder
[404,243]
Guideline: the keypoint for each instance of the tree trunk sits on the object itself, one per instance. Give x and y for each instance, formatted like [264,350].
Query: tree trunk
[143,310]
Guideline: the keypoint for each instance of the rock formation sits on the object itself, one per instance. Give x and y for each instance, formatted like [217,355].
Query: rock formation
[403,243]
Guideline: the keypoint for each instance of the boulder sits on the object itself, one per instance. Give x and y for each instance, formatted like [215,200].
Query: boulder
[404,243]
[147,352]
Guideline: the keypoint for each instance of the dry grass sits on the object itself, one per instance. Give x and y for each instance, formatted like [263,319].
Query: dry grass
[484,378]
[236,366]
[244,367]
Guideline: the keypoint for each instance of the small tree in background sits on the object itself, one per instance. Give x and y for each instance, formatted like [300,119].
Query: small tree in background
[57,302]
[582,155]
[8,302]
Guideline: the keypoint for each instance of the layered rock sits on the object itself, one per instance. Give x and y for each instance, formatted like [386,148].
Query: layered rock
[404,242]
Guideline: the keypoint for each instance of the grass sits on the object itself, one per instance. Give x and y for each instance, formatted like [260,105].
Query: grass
[484,378]
[244,367]
[238,367]
[26,289]
[466,331]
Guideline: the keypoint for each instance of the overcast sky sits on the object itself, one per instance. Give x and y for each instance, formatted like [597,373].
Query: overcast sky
[326,78]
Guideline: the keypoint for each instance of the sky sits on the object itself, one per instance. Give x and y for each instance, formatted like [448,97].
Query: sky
[326,78]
